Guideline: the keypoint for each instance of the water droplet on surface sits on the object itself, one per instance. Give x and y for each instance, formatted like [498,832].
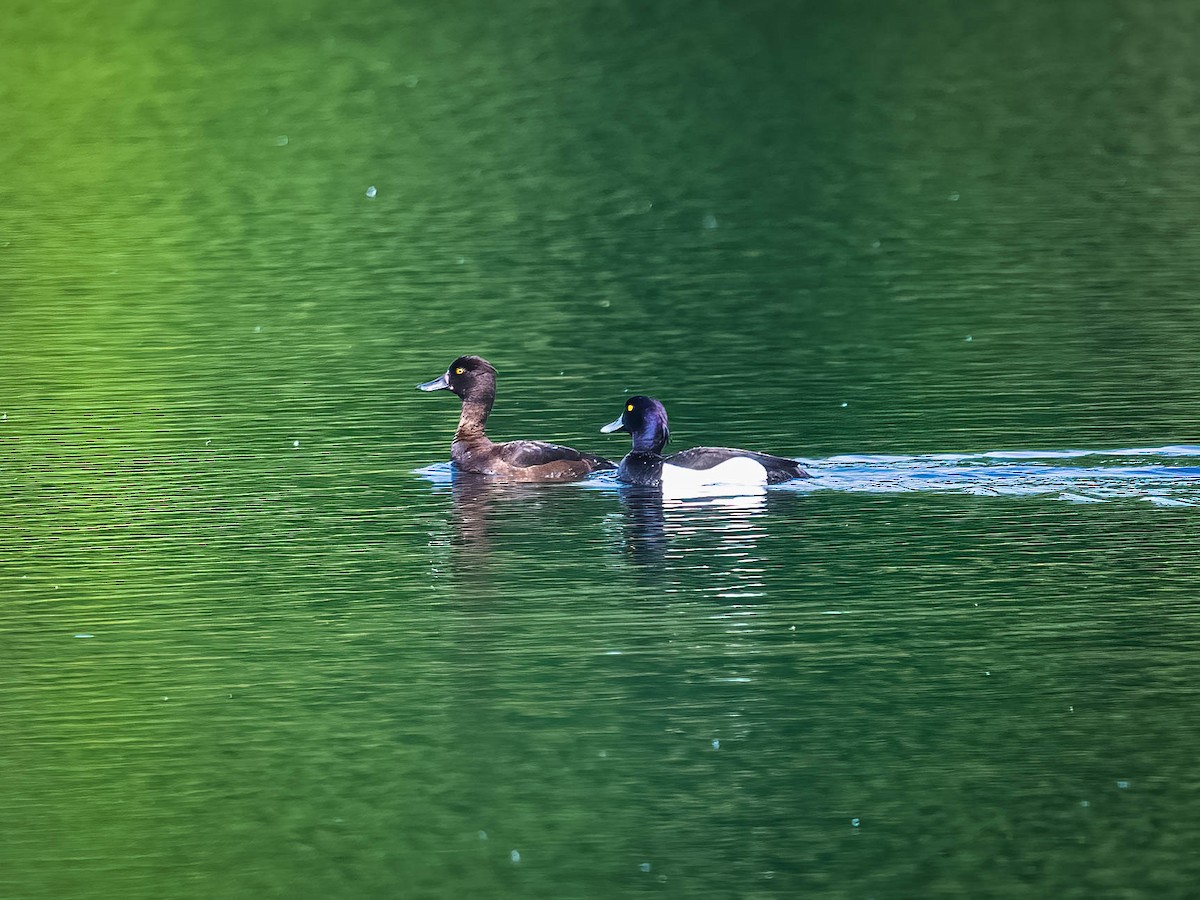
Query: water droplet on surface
[710,221]
[515,856]
[295,443]
[1122,784]
[969,339]
[84,635]
[645,867]
[716,745]
[371,192]
[844,405]
[483,835]
[412,81]
[954,195]
[854,822]
[281,141]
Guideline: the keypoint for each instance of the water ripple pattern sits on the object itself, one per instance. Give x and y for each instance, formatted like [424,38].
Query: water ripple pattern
[1164,476]
[1167,476]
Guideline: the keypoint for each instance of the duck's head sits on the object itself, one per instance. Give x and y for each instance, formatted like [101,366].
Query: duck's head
[468,376]
[645,419]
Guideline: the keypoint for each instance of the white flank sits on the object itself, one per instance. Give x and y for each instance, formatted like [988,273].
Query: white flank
[734,476]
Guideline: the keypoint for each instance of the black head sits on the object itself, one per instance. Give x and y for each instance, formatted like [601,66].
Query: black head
[468,376]
[646,419]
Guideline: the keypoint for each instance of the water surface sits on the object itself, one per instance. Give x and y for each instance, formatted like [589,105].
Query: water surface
[945,256]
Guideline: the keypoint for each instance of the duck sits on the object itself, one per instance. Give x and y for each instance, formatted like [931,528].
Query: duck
[645,418]
[473,380]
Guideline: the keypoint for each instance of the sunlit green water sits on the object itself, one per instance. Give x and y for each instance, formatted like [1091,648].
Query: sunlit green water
[246,652]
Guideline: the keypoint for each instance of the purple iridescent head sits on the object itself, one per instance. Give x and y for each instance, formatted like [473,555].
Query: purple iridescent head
[646,420]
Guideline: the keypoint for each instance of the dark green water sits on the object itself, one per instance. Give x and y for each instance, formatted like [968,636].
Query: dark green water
[246,652]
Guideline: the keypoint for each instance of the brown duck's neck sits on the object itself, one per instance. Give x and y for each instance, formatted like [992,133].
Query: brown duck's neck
[475,411]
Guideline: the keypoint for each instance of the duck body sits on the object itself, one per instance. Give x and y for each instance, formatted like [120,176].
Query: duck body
[646,420]
[524,460]
[705,466]
[641,467]
[777,469]
[473,380]
[649,469]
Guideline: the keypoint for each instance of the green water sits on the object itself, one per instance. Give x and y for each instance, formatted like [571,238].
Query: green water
[246,652]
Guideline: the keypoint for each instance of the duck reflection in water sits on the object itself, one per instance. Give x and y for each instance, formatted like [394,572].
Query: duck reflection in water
[479,503]
[528,531]
[714,540]
[664,532]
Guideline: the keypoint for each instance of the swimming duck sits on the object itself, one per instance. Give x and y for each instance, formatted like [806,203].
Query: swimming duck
[646,420]
[473,379]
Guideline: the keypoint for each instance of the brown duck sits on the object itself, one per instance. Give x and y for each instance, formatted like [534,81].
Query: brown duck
[473,379]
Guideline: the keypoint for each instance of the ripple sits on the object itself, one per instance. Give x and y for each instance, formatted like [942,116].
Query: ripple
[1141,474]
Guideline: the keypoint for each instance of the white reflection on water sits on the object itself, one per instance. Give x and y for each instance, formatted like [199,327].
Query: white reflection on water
[1165,476]
[713,540]
[726,529]
[655,531]
[711,545]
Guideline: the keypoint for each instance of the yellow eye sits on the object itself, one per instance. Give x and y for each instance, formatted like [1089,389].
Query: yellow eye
[629,407]
[459,370]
